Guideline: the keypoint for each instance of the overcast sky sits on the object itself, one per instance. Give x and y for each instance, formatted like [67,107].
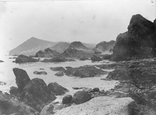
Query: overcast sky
[89,21]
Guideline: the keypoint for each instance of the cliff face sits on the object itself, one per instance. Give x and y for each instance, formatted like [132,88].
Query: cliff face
[138,42]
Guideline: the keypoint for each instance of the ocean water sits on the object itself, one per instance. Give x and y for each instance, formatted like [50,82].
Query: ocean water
[7,75]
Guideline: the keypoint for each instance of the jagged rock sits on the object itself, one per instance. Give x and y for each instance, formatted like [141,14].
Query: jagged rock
[11,106]
[81,97]
[57,89]
[47,53]
[36,94]
[25,59]
[67,99]
[40,72]
[22,78]
[138,42]
[76,53]
[60,73]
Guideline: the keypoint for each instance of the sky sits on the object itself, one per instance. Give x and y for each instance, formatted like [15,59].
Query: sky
[90,21]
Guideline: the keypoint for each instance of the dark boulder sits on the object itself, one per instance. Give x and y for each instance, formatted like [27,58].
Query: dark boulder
[25,59]
[36,94]
[14,91]
[57,89]
[81,97]
[96,89]
[22,78]
[40,72]
[67,99]
[138,42]
[57,69]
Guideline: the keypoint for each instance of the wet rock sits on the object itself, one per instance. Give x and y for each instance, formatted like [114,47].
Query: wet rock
[60,73]
[84,71]
[14,91]
[96,89]
[36,94]
[22,78]
[40,72]
[67,99]
[11,106]
[25,59]
[81,97]
[57,89]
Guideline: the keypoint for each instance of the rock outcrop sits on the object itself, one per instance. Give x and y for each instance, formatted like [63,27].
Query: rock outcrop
[22,78]
[138,42]
[11,106]
[36,94]
[47,53]
[99,106]
[60,47]
[77,50]
[82,71]
[56,89]
[25,59]
[104,47]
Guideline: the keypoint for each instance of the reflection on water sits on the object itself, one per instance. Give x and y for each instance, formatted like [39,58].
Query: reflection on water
[6,75]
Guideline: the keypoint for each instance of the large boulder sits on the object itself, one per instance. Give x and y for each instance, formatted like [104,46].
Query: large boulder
[22,78]
[57,89]
[36,94]
[14,91]
[81,97]
[138,42]
[11,106]
[25,59]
